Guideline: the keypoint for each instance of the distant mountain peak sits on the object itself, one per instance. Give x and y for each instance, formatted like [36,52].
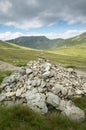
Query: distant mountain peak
[42,42]
[36,42]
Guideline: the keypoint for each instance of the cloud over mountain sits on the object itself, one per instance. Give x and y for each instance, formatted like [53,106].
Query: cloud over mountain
[36,13]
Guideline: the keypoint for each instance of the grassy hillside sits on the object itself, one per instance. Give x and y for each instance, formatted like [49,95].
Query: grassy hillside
[77,40]
[6,45]
[77,50]
[23,118]
[77,55]
[20,56]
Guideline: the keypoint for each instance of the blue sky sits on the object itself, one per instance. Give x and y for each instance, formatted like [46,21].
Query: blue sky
[52,18]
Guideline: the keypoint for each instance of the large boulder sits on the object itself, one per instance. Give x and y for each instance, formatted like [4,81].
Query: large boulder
[73,112]
[53,99]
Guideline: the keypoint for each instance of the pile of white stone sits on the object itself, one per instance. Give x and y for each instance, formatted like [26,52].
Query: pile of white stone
[41,84]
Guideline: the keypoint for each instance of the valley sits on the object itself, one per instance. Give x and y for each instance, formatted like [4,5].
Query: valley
[12,57]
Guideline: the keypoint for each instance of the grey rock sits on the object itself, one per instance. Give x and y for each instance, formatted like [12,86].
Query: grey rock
[74,112]
[31,93]
[47,66]
[29,87]
[42,83]
[10,87]
[19,92]
[28,71]
[64,91]
[46,74]
[62,105]
[57,88]
[79,92]
[36,99]
[3,85]
[22,71]
[2,97]
[10,94]
[53,99]
[28,82]
[9,79]
[71,92]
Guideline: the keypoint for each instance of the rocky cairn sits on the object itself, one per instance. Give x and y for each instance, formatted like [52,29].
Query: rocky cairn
[41,85]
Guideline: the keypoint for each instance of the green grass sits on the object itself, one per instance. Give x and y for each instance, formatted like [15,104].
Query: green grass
[74,56]
[76,51]
[23,118]
[20,56]
[80,102]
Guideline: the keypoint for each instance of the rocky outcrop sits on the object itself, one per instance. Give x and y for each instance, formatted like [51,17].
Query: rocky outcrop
[41,84]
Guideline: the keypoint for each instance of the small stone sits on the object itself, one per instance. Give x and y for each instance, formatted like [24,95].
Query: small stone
[43,84]
[28,71]
[46,74]
[22,71]
[29,87]
[19,92]
[47,66]
[10,94]
[79,92]
[64,91]
[57,88]
[28,82]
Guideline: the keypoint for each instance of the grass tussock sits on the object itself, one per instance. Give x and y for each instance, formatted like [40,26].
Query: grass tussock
[80,102]
[23,118]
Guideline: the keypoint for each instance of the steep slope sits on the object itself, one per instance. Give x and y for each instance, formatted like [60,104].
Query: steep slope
[36,42]
[77,40]
[6,45]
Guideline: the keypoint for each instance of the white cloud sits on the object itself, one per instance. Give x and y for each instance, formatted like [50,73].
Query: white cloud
[53,35]
[36,13]
[4,6]
[70,33]
[10,35]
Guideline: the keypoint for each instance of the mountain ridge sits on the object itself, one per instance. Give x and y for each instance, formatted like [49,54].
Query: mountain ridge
[42,42]
[36,42]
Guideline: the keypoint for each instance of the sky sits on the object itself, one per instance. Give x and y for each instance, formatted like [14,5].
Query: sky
[50,18]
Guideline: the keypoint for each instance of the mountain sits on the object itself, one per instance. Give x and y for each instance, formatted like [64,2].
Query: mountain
[77,40]
[41,42]
[36,42]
